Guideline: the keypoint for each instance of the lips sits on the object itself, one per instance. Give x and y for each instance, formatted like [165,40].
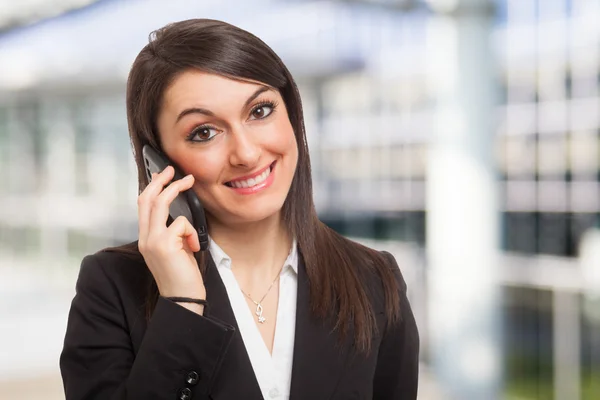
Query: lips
[252,180]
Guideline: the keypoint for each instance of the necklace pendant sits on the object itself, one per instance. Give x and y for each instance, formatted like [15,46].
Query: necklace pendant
[259,312]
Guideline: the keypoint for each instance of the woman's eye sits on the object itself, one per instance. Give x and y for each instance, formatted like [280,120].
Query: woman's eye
[202,134]
[262,111]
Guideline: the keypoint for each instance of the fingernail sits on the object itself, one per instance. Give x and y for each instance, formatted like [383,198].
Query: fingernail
[188,177]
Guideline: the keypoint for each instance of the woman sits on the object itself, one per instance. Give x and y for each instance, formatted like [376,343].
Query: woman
[280,306]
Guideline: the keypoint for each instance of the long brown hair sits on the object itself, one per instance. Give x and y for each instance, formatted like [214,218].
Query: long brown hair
[335,266]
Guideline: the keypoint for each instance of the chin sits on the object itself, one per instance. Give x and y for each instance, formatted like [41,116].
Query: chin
[255,214]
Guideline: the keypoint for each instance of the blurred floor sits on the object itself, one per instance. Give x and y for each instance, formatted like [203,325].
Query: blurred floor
[45,387]
[34,306]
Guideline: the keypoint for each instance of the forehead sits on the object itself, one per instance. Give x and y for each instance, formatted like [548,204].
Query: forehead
[198,88]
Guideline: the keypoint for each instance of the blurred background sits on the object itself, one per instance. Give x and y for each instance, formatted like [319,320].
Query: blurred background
[461,135]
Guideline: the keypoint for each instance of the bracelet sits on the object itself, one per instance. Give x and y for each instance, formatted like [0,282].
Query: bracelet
[202,302]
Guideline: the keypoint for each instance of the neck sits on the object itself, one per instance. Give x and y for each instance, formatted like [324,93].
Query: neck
[258,249]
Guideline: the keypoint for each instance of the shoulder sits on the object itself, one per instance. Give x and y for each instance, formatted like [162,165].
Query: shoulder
[378,270]
[393,266]
[114,270]
[116,262]
[375,265]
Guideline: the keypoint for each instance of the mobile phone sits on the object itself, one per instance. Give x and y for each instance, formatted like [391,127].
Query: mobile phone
[186,203]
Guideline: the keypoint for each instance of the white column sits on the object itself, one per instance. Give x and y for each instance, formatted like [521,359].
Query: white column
[567,351]
[462,204]
[589,260]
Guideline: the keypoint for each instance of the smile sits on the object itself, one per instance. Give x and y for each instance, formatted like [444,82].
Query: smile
[255,182]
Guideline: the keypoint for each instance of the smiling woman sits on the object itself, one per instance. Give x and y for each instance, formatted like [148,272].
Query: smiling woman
[279,305]
[230,135]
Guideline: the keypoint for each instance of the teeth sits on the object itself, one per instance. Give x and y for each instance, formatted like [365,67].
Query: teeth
[252,181]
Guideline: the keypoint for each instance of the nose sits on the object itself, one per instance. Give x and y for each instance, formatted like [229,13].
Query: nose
[245,151]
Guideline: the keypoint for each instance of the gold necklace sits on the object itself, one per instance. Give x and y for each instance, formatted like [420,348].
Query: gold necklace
[259,307]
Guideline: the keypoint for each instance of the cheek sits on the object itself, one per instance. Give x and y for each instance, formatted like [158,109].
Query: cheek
[204,167]
[283,139]
[206,171]
[193,162]
[293,147]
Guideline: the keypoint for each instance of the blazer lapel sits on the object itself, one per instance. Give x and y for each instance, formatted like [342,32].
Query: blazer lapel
[235,379]
[319,358]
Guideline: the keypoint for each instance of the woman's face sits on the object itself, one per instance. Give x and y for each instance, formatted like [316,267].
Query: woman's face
[235,137]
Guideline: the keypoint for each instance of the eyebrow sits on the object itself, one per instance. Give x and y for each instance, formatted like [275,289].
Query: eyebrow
[204,111]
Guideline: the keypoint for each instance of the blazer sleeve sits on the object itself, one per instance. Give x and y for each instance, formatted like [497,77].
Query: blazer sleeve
[178,357]
[397,370]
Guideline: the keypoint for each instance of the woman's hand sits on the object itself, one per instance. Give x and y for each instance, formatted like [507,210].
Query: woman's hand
[169,251]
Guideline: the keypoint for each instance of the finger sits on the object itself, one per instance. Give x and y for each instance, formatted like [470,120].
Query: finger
[157,184]
[191,240]
[183,230]
[148,196]
[193,243]
[160,209]
[160,180]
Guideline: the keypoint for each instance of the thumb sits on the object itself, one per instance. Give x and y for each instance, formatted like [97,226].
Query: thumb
[184,230]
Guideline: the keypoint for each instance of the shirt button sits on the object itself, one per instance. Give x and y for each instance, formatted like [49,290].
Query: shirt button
[273,393]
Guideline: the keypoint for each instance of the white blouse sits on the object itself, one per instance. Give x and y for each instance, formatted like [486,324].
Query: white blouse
[273,371]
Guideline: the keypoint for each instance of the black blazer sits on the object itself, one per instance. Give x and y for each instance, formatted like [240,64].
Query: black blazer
[111,352]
